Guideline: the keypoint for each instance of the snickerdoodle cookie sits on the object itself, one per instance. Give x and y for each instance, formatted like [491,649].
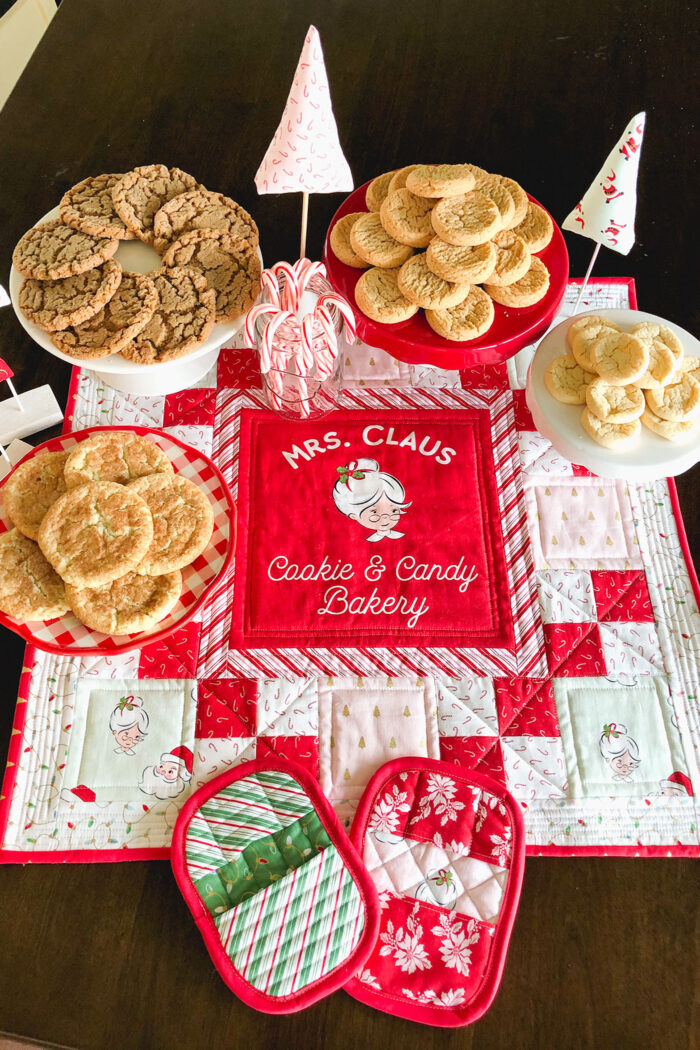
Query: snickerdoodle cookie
[32,488]
[29,587]
[114,455]
[183,521]
[132,603]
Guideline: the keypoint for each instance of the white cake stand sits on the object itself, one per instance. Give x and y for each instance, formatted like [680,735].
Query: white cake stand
[115,370]
[650,457]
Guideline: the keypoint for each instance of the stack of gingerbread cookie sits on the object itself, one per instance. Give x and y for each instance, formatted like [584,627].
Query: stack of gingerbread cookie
[451,239]
[627,380]
[103,531]
[76,291]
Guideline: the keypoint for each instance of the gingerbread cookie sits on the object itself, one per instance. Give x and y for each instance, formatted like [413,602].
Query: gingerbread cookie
[29,587]
[512,259]
[469,320]
[471,218]
[529,290]
[183,318]
[492,186]
[610,435]
[377,191]
[567,381]
[536,229]
[94,534]
[582,334]
[422,287]
[676,402]
[130,604]
[32,488]
[229,266]
[125,315]
[55,305]
[469,265]
[371,242]
[378,295]
[142,192]
[407,218]
[200,209]
[183,521]
[614,404]
[340,240]
[53,250]
[89,207]
[620,358]
[677,432]
[114,455]
[440,180]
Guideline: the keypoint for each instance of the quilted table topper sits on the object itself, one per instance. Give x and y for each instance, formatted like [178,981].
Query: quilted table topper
[285,907]
[446,849]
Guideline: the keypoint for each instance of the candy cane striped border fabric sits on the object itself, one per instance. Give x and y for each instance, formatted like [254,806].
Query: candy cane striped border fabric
[296,930]
[528,656]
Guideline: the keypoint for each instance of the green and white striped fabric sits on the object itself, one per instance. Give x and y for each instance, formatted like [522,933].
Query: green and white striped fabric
[241,813]
[296,930]
[307,917]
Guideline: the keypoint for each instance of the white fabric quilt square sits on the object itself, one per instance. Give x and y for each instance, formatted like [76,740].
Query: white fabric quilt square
[467,707]
[631,648]
[534,767]
[200,436]
[287,708]
[566,597]
[538,456]
[215,755]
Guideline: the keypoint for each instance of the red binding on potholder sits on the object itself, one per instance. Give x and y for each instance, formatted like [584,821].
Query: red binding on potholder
[286,909]
[446,850]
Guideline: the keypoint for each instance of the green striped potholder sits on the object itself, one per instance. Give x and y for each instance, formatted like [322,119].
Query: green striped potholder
[283,902]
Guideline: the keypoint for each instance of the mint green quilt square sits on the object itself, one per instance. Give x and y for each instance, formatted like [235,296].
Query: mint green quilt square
[618,739]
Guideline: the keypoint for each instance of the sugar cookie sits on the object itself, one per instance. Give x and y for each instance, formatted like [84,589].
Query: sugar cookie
[471,264]
[529,290]
[398,179]
[127,605]
[470,218]
[610,435]
[582,334]
[29,587]
[662,365]
[619,357]
[677,432]
[340,240]
[376,192]
[469,320]
[406,218]
[536,229]
[520,199]
[676,402]
[440,180]
[32,488]
[614,404]
[512,259]
[424,288]
[567,381]
[183,521]
[371,242]
[378,295]
[653,332]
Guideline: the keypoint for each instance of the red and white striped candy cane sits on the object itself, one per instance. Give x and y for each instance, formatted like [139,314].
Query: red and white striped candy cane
[266,346]
[307,355]
[270,286]
[291,293]
[262,310]
[327,352]
[344,308]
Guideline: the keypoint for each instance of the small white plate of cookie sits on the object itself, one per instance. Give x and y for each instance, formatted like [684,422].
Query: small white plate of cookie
[111,539]
[141,277]
[618,392]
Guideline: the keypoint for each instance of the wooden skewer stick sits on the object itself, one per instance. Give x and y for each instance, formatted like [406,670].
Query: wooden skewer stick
[304,222]
[588,274]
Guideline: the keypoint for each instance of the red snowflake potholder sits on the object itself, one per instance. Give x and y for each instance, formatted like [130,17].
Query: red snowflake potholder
[445,848]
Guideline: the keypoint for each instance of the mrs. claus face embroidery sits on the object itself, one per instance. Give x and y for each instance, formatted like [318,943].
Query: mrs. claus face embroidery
[371,497]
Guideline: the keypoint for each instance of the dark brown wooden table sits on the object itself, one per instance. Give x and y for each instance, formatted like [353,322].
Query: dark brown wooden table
[604,952]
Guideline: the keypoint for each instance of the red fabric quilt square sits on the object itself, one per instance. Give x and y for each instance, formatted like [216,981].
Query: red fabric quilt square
[300,749]
[195,407]
[173,657]
[622,597]
[226,707]
[574,650]
[526,707]
[481,377]
[523,416]
[482,753]
[390,533]
[237,368]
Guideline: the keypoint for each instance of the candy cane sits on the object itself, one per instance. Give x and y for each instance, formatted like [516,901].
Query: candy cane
[251,318]
[343,308]
[308,271]
[291,292]
[266,348]
[270,284]
[307,355]
[327,354]
[304,408]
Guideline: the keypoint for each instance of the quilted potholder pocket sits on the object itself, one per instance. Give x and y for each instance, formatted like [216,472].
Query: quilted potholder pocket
[445,847]
[286,909]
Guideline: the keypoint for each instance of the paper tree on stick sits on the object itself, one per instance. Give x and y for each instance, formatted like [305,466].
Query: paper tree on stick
[607,211]
[305,155]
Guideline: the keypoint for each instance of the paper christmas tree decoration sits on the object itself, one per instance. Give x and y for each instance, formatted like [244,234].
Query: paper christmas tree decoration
[305,155]
[606,212]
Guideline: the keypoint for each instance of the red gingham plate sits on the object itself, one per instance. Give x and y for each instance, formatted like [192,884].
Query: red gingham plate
[200,580]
